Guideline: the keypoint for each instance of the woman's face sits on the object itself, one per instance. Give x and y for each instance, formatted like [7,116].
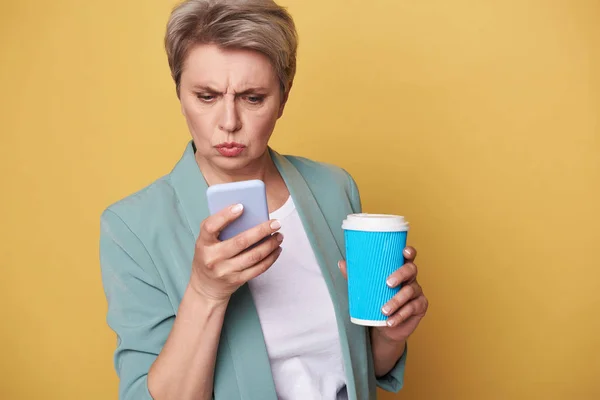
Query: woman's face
[231,100]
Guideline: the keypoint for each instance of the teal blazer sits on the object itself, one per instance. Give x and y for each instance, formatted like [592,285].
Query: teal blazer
[146,249]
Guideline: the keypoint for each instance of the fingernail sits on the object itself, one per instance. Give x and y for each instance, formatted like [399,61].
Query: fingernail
[386,310]
[392,282]
[390,322]
[407,252]
[237,208]
[340,264]
[275,225]
[280,237]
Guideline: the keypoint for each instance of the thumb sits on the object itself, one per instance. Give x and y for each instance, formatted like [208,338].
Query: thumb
[342,267]
[212,226]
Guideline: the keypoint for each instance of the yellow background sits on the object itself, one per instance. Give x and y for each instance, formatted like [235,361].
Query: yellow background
[478,120]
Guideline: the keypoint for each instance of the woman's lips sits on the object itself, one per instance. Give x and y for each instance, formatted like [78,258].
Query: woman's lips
[230,149]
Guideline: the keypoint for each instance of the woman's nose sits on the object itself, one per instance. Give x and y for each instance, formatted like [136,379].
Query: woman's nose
[229,119]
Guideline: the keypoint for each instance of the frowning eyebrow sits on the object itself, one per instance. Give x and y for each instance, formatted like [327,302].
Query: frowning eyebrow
[209,89]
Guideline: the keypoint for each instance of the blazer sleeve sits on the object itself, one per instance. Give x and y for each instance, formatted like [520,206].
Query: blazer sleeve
[139,311]
[393,381]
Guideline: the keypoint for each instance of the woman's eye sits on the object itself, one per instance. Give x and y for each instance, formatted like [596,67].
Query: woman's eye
[254,99]
[207,98]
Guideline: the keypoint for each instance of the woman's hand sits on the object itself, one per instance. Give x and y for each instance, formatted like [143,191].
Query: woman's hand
[406,309]
[221,267]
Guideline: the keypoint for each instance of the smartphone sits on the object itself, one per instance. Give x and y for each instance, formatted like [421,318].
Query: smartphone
[251,194]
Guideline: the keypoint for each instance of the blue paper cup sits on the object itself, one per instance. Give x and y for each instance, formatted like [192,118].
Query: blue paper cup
[374,245]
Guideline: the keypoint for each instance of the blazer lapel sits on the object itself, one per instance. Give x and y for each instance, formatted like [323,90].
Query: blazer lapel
[243,369]
[328,253]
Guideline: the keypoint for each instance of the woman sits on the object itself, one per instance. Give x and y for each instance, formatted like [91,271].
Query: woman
[199,318]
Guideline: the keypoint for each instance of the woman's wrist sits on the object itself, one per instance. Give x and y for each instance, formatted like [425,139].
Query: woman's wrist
[384,345]
[198,296]
[387,341]
[386,351]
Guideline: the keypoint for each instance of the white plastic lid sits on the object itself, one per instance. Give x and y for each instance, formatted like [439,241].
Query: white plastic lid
[375,223]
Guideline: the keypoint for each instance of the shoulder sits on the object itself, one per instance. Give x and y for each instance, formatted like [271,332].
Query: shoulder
[326,178]
[321,171]
[145,201]
[145,212]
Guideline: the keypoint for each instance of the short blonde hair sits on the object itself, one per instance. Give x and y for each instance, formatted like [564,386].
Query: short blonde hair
[259,25]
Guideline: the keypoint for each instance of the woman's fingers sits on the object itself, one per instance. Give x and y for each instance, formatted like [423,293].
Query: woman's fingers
[255,255]
[405,294]
[415,308]
[342,267]
[410,253]
[213,225]
[241,242]
[406,273]
[259,268]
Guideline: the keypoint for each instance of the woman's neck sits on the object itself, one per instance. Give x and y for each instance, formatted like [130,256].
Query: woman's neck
[263,168]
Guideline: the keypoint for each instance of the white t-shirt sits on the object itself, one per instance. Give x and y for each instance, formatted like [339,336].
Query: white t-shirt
[298,319]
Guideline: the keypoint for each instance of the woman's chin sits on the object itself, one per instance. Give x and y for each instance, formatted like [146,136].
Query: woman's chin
[228,163]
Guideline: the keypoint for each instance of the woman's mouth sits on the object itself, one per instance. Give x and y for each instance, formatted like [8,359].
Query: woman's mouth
[230,149]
